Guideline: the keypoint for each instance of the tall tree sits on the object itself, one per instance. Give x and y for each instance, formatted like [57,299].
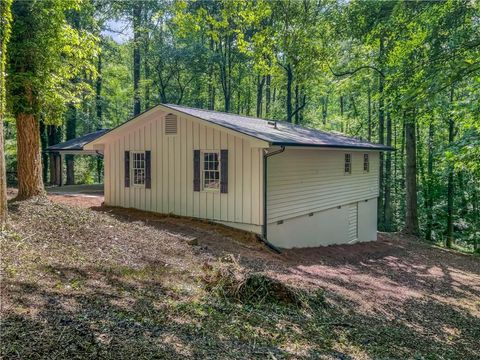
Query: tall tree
[5,27]
[137,23]
[45,54]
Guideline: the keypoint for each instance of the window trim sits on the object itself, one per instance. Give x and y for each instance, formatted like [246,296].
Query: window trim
[133,168]
[366,157]
[349,162]
[202,171]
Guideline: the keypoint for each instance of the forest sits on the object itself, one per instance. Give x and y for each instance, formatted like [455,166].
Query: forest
[401,73]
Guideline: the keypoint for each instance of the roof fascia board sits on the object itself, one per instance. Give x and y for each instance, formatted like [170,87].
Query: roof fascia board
[120,129]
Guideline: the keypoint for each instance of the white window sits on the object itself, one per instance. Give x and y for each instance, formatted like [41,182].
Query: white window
[348,164]
[138,168]
[366,163]
[211,171]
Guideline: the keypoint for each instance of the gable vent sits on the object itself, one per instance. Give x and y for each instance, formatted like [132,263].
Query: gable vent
[171,124]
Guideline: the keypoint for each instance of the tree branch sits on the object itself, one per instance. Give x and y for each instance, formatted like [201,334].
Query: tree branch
[353,72]
[304,102]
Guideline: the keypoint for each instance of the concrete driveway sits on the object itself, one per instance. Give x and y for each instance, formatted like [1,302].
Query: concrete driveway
[76,190]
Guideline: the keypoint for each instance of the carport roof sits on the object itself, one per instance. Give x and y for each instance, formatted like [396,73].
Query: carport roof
[76,145]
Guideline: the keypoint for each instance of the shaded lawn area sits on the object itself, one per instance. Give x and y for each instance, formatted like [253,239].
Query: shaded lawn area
[121,284]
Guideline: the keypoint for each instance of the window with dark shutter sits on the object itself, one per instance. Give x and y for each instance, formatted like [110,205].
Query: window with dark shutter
[148,170]
[196,170]
[224,171]
[127,168]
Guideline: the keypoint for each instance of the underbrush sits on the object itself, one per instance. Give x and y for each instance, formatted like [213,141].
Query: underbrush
[233,282]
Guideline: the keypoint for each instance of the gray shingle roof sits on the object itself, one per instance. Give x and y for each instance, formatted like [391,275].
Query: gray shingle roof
[284,134]
[77,143]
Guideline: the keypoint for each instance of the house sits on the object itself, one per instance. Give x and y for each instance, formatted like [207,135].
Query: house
[294,186]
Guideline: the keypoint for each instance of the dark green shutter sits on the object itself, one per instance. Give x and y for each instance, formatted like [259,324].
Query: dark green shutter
[148,170]
[196,170]
[224,171]
[127,168]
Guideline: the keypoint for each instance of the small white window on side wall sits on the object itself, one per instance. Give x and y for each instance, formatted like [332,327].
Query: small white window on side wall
[366,163]
[211,170]
[348,164]
[138,168]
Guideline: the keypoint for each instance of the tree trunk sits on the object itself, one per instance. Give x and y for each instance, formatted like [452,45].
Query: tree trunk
[429,202]
[211,78]
[146,64]
[324,109]
[29,161]
[54,136]
[381,134]
[411,217]
[71,127]
[44,144]
[387,212]
[260,83]
[369,119]
[297,103]
[3,176]
[289,92]
[137,13]
[98,94]
[450,184]
[268,96]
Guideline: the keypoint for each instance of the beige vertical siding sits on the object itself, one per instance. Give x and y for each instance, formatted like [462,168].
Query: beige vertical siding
[172,172]
[302,181]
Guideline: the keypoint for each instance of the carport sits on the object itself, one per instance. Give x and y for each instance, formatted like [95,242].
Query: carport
[58,152]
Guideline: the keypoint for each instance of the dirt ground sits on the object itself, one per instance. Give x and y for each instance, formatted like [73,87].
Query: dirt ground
[394,298]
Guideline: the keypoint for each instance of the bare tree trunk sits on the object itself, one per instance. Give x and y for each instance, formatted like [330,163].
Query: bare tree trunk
[429,201]
[146,64]
[387,212]
[369,95]
[268,96]
[450,184]
[70,134]
[297,103]
[98,94]
[3,177]
[342,107]
[381,134]
[137,13]
[29,161]
[411,216]
[289,92]
[324,109]
[260,83]
[44,143]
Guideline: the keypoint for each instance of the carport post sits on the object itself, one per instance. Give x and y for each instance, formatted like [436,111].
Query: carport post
[60,175]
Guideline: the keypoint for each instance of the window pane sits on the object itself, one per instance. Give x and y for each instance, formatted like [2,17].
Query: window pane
[138,170]
[211,173]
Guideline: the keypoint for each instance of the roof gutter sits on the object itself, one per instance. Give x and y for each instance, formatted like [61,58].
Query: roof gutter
[263,237]
[380,147]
